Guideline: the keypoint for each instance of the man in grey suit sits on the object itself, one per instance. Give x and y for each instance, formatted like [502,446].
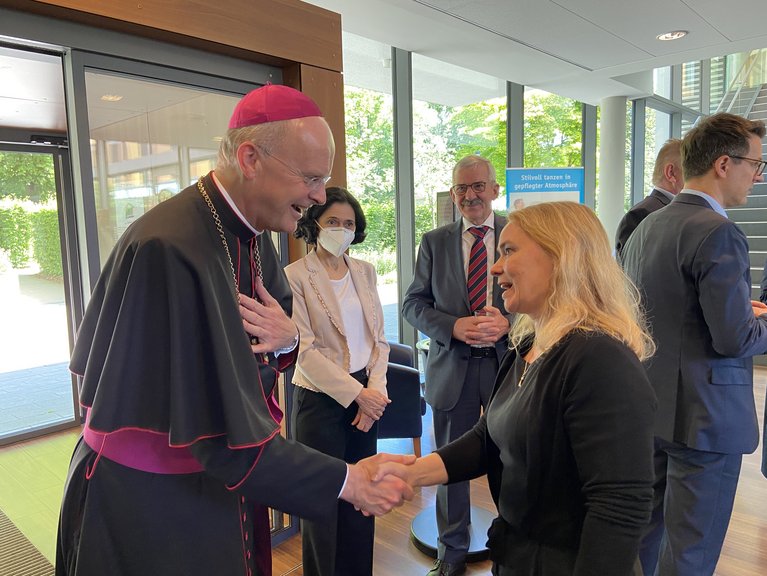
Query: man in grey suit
[691,264]
[667,182]
[455,302]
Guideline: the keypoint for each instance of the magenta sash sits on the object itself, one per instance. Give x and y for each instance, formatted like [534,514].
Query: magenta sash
[141,449]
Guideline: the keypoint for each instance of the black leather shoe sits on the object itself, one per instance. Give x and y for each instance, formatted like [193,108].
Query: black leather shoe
[442,568]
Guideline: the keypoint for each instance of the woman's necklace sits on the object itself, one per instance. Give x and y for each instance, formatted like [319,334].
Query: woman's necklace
[524,373]
[535,358]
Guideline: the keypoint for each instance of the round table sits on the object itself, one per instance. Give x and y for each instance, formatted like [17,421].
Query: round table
[423,530]
[424,534]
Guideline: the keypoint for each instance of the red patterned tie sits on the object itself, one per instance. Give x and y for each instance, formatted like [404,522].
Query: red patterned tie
[477,276]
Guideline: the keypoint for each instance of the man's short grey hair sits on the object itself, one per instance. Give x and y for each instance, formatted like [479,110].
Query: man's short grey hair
[474,160]
[268,136]
[671,151]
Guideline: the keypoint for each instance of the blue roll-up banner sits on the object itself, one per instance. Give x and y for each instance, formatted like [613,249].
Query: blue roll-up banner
[527,186]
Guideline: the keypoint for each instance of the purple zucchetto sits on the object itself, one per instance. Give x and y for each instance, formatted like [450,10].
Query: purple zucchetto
[271,103]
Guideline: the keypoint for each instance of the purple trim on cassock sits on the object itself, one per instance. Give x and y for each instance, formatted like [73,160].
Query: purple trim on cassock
[140,449]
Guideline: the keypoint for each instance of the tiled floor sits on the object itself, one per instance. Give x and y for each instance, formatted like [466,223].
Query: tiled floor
[35,397]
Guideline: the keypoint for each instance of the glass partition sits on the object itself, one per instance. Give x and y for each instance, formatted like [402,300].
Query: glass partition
[149,140]
[662,81]
[370,162]
[35,383]
[456,112]
[553,130]
[657,131]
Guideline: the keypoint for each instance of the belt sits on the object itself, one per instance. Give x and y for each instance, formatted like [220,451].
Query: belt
[482,352]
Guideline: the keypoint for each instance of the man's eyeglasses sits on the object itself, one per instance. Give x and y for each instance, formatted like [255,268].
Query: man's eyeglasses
[461,189]
[312,182]
[758,164]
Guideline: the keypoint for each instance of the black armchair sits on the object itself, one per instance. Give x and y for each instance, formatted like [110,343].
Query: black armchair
[401,354]
[402,418]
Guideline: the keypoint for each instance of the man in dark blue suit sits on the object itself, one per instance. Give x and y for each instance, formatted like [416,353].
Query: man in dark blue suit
[691,264]
[468,334]
[667,182]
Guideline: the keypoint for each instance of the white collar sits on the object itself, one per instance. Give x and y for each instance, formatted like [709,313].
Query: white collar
[232,205]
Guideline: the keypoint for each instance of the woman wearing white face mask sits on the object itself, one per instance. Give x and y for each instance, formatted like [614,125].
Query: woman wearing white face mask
[340,374]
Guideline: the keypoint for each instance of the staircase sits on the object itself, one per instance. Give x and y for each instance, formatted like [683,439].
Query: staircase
[752,218]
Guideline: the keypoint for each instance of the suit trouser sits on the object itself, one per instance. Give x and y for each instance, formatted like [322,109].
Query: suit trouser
[693,497]
[454,501]
[341,545]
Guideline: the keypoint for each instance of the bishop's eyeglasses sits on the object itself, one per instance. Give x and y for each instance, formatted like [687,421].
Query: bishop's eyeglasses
[311,182]
[461,189]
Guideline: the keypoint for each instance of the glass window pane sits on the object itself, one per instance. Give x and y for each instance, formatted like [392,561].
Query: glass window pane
[35,383]
[370,163]
[662,81]
[657,131]
[553,130]
[718,82]
[456,112]
[149,140]
[691,84]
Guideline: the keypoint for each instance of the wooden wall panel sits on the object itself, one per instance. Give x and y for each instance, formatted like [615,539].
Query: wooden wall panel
[304,40]
[289,30]
[327,89]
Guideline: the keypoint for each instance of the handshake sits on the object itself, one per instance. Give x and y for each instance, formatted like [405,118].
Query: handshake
[379,483]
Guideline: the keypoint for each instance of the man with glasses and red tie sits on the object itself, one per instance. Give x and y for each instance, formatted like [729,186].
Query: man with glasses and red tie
[690,262]
[455,302]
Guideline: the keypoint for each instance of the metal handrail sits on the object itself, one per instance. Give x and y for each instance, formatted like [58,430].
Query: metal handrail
[740,80]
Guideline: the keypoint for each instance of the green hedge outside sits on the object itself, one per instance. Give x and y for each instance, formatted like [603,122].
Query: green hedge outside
[46,243]
[15,232]
[31,231]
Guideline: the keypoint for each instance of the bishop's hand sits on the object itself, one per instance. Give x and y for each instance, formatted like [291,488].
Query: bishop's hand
[267,321]
[374,498]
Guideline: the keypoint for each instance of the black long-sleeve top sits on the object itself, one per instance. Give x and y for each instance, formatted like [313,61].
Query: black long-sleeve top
[568,457]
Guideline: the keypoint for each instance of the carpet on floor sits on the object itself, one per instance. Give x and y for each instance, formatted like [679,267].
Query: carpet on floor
[18,556]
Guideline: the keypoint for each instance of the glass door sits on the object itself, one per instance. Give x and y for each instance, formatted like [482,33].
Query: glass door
[36,388]
[151,136]
[149,140]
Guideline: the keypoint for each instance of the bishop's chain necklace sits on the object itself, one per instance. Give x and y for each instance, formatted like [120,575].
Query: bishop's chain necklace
[220,228]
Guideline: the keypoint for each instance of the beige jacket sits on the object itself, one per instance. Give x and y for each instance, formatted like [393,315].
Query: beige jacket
[323,354]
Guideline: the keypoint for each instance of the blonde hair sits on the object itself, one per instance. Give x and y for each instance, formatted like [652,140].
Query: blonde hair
[589,291]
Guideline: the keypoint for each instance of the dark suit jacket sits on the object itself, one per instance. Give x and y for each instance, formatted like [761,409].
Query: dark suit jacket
[435,300]
[638,212]
[691,265]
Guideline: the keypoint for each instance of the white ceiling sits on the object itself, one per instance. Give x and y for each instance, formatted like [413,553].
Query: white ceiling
[576,48]
[464,51]
[31,91]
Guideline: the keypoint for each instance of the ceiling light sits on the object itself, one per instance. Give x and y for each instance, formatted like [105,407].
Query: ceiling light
[674,35]
[111,97]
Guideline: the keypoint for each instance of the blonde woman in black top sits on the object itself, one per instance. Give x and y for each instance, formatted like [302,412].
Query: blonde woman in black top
[566,441]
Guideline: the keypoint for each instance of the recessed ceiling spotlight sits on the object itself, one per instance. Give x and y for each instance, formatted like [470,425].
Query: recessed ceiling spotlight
[111,97]
[674,35]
